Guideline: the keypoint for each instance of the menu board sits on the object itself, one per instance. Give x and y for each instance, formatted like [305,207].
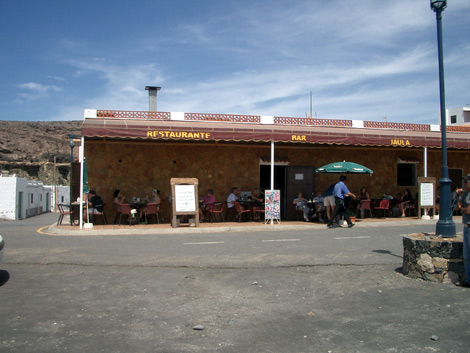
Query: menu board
[426,193]
[184,202]
[273,204]
[185,198]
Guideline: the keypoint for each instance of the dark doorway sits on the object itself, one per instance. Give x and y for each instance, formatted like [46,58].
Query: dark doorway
[279,182]
[456,176]
[299,179]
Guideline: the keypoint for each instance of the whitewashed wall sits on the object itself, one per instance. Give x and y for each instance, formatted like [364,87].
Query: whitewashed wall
[21,199]
[59,194]
[8,198]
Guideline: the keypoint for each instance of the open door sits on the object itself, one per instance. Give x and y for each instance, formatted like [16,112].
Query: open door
[298,179]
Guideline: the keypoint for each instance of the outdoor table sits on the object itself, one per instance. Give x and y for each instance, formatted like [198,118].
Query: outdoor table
[138,205]
[76,205]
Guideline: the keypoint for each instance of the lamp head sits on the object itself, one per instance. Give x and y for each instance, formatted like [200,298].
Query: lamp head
[438,5]
[71,143]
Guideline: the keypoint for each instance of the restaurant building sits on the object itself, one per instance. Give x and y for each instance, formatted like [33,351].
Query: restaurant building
[137,151]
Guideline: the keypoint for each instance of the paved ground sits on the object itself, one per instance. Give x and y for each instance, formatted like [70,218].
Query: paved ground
[128,308]
[220,227]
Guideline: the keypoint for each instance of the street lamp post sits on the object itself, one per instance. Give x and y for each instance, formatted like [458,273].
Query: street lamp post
[72,145]
[445,227]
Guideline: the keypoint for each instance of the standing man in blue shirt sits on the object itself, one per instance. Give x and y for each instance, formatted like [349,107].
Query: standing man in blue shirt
[464,207]
[340,192]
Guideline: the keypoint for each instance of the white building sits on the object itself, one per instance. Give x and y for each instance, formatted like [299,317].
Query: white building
[20,198]
[458,116]
[60,195]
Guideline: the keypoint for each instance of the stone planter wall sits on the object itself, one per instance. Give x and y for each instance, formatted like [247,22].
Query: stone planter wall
[432,258]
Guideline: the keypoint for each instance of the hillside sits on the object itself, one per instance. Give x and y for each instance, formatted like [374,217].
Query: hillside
[28,148]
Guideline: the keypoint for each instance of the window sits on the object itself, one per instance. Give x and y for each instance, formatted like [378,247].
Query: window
[453,119]
[32,198]
[406,174]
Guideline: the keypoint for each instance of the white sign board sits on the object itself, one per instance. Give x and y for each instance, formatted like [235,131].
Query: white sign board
[426,194]
[185,199]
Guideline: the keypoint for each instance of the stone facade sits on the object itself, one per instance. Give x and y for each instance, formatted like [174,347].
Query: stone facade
[432,258]
[136,167]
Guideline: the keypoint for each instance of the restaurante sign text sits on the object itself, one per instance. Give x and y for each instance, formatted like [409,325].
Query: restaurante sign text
[179,134]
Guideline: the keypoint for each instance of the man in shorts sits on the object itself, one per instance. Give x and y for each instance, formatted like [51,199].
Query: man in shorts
[95,204]
[329,200]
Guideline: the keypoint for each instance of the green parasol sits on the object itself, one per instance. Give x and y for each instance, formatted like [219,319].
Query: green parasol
[86,189]
[344,168]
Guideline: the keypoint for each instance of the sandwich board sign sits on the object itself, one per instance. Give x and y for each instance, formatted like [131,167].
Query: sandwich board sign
[185,201]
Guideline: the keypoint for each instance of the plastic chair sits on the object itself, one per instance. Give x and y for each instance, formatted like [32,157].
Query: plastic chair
[64,210]
[125,211]
[257,211]
[241,212]
[411,207]
[384,206]
[152,209]
[363,207]
[217,209]
[102,214]
[299,214]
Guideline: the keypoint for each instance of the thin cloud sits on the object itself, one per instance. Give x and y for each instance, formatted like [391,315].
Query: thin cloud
[361,60]
[35,91]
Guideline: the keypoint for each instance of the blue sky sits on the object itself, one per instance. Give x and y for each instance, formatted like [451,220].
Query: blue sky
[362,60]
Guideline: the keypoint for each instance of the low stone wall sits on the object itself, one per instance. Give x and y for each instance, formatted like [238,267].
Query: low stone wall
[432,258]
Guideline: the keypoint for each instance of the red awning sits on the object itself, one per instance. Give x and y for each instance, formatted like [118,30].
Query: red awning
[223,131]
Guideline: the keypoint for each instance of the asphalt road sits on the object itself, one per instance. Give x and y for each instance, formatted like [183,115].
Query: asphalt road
[299,291]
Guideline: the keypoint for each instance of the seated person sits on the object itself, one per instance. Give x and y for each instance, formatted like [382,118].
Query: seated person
[406,200]
[258,197]
[118,198]
[231,199]
[319,207]
[363,195]
[301,205]
[154,198]
[95,204]
[207,204]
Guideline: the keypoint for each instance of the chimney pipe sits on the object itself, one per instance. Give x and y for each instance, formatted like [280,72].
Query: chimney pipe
[152,97]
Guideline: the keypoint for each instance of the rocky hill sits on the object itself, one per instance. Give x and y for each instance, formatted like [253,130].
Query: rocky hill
[28,148]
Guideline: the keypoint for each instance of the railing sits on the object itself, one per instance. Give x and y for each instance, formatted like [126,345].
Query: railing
[125,114]
[223,117]
[237,118]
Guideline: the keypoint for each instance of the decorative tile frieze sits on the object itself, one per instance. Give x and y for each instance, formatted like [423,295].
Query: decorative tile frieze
[223,117]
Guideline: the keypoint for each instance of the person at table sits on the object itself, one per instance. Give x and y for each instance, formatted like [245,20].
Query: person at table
[406,200]
[258,197]
[363,195]
[207,202]
[95,203]
[231,199]
[154,198]
[301,205]
[320,207]
[118,198]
